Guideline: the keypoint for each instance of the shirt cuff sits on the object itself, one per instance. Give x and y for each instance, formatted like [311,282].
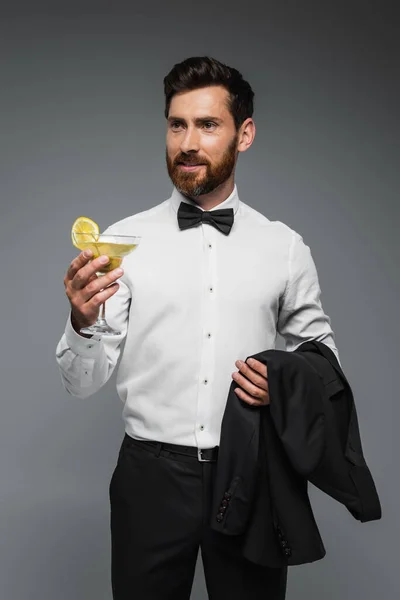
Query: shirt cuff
[82,346]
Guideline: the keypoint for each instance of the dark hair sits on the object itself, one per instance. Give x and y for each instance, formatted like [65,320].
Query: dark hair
[202,71]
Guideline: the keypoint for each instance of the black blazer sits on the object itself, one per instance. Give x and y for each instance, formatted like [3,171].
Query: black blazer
[267,455]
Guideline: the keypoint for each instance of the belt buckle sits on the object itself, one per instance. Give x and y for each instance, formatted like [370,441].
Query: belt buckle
[200,458]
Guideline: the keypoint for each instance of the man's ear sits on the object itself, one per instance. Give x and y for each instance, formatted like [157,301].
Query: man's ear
[247,133]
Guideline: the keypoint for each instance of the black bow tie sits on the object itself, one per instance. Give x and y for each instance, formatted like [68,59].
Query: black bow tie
[191,216]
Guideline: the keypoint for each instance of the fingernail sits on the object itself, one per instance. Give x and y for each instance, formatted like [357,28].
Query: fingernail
[87,253]
[104,259]
[119,271]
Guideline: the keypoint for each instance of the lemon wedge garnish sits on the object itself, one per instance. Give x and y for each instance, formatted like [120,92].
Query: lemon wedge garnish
[88,232]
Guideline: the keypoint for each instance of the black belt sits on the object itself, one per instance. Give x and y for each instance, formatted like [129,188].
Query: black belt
[202,455]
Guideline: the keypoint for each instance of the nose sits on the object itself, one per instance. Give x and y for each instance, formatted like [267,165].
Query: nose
[190,141]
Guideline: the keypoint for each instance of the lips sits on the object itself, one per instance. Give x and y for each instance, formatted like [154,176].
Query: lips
[189,169]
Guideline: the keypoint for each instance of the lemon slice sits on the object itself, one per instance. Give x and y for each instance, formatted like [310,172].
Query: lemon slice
[88,232]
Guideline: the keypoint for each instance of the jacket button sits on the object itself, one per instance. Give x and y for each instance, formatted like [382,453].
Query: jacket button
[283,543]
[219,517]
[288,552]
[227,496]
[224,503]
[222,509]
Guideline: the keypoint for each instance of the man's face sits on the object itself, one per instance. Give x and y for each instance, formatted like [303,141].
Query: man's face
[201,140]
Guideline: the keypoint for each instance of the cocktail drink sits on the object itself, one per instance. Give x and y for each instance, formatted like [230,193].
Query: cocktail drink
[112,245]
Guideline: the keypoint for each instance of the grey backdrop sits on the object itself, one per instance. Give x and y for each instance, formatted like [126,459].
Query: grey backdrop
[82,132]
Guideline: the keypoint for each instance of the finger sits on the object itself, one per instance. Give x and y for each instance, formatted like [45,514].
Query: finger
[82,276]
[250,399]
[249,387]
[253,376]
[94,302]
[96,284]
[258,366]
[80,261]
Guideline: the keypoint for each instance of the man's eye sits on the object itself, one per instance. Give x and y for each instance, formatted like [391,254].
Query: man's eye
[175,124]
[209,125]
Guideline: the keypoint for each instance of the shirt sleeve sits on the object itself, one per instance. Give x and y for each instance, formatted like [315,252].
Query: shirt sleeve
[301,316]
[86,364]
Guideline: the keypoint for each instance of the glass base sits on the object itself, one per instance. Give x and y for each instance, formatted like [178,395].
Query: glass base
[100,327]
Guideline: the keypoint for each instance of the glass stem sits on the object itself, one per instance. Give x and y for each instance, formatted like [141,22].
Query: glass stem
[103,312]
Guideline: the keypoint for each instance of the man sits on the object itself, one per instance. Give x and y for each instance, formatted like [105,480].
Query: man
[203,290]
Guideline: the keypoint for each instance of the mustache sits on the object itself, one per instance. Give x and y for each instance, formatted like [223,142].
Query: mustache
[189,162]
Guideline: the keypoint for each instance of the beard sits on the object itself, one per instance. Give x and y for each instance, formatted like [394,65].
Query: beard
[198,183]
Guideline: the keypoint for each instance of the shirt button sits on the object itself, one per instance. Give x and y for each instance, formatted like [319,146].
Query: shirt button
[208,335]
[205,381]
[211,289]
[202,427]
[90,346]
[210,245]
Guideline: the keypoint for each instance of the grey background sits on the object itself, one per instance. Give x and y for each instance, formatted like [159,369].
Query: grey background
[82,132]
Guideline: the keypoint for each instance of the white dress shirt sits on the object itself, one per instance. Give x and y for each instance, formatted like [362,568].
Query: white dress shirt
[190,304]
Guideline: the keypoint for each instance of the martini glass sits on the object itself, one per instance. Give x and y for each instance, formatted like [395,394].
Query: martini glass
[115,247]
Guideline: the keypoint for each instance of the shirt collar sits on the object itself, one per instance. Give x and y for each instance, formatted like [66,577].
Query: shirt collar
[231,202]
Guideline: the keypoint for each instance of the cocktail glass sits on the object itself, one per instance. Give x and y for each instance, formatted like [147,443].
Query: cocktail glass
[115,247]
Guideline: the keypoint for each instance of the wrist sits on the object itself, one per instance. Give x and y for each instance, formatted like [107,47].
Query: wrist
[77,327]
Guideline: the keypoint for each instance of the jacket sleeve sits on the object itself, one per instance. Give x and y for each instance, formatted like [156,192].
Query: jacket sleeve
[301,316]
[342,471]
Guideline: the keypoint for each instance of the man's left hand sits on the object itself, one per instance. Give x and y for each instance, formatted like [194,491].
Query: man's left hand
[253,381]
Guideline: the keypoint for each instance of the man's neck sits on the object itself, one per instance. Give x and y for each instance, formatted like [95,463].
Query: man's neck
[217,196]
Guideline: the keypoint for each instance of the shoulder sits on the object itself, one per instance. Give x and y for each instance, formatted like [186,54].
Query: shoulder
[143,218]
[277,229]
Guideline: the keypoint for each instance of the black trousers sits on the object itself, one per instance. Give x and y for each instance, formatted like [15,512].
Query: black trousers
[160,514]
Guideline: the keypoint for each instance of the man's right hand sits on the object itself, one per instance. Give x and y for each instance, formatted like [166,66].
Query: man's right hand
[83,286]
